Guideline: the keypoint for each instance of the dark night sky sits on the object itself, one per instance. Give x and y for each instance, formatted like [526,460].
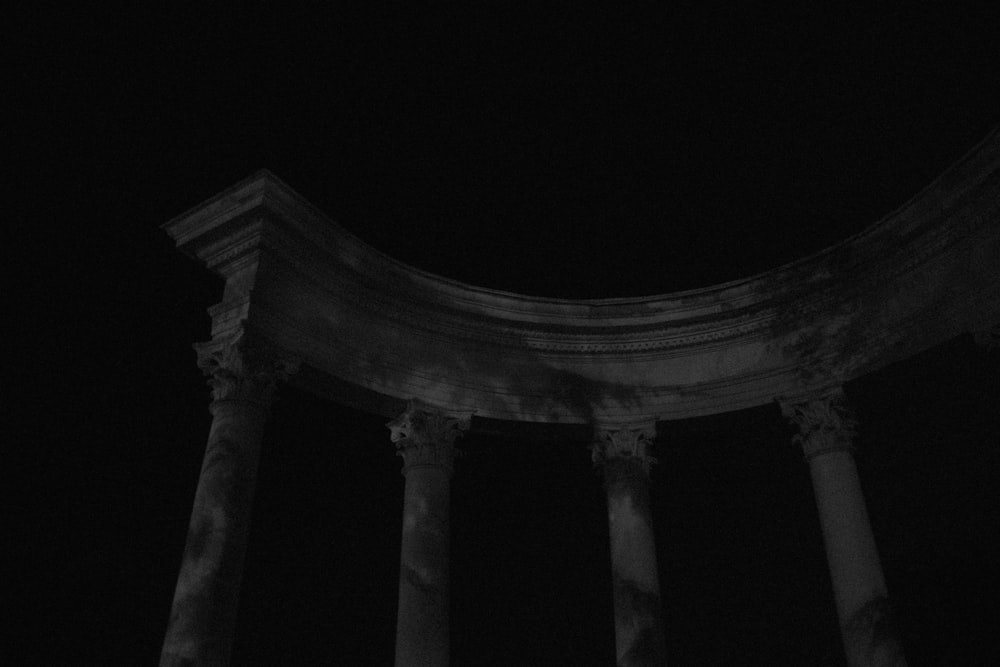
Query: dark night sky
[575,153]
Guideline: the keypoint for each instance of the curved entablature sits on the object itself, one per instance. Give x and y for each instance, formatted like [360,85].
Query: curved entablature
[924,274]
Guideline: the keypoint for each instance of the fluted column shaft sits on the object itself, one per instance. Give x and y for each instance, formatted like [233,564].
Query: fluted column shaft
[203,615]
[425,440]
[867,625]
[624,458]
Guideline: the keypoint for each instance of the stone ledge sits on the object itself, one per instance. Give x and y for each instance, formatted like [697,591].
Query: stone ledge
[920,276]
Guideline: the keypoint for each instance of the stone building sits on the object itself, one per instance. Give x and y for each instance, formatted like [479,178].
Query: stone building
[308,304]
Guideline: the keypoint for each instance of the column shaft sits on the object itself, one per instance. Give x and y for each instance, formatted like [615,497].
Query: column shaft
[425,439]
[867,627]
[422,637]
[243,370]
[639,636]
[623,454]
[203,614]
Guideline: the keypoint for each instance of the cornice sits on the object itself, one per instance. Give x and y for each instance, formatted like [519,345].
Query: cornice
[906,283]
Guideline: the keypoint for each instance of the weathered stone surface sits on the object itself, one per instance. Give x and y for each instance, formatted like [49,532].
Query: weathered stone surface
[825,422]
[242,374]
[377,331]
[868,631]
[924,274]
[623,454]
[425,439]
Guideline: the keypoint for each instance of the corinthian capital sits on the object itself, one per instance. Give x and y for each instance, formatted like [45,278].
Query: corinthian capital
[242,366]
[426,436]
[624,443]
[826,423]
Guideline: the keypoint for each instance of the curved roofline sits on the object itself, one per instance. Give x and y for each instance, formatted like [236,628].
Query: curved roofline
[922,274]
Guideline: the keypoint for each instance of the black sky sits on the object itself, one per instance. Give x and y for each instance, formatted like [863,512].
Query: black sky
[573,152]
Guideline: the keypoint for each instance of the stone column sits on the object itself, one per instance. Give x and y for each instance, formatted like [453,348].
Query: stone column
[242,373]
[425,439]
[623,454]
[867,625]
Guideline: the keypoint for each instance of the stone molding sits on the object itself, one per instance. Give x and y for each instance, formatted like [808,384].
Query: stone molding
[826,423]
[744,317]
[425,436]
[919,277]
[624,443]
[242,366]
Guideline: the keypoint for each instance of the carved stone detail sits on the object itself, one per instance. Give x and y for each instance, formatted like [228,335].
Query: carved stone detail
[242,366]
[629,443]
[623,453]
[425,436]
[826,423]
[871,635]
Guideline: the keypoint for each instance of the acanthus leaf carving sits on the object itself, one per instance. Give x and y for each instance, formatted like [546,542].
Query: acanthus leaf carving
[627,443]
[826,423]
[425,436]
[242,366]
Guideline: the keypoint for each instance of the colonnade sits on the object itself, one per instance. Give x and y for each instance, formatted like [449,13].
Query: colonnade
[243,375]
